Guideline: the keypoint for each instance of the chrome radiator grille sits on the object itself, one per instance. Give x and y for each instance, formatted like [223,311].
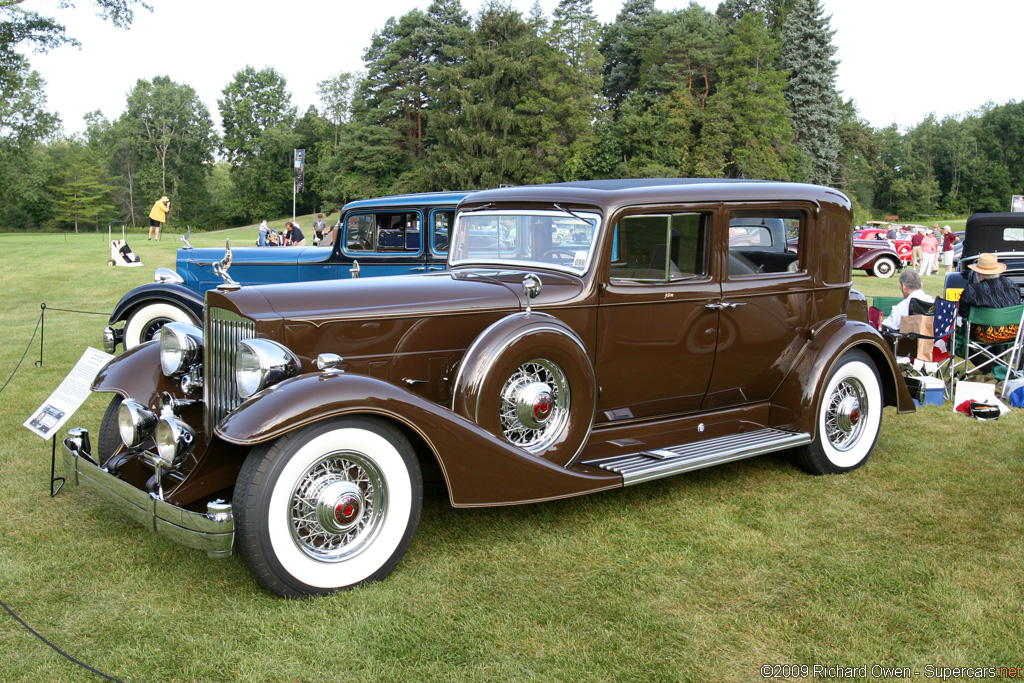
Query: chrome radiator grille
[224,329]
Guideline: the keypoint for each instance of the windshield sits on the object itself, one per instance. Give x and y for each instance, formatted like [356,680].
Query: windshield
[548,239]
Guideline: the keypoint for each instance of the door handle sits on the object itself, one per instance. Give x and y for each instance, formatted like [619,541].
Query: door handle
[418,269]
[715,306]
[733,304]
[433,269]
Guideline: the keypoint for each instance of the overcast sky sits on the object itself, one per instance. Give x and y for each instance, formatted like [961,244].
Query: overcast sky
[899,59]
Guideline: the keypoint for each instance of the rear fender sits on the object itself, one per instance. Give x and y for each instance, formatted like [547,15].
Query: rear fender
[479,468]
[158,292]
[795,403]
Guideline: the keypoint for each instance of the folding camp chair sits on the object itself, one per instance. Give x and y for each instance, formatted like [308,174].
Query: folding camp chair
[881,307]
[979,352]
[939,362]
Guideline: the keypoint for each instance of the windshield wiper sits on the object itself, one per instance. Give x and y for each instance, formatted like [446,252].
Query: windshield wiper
[489,205]
[578,217]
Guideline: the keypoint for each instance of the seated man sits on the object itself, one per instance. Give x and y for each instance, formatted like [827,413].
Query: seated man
[910,284]
[991,289]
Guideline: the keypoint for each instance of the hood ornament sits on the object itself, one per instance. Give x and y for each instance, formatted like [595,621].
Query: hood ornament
[221,268]
[186,237]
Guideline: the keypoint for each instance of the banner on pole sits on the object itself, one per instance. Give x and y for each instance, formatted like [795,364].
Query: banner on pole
[300,169]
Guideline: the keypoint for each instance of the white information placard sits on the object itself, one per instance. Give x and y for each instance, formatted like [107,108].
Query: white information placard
[69,396]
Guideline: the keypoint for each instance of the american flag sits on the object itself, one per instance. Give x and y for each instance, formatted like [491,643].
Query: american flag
[945,314]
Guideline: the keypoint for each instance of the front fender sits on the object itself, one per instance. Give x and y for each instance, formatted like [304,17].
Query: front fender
[479,468]
[795,403]
[136,374]
[154,292]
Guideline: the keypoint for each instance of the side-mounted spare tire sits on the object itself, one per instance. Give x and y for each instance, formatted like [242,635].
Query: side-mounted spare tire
[529,379]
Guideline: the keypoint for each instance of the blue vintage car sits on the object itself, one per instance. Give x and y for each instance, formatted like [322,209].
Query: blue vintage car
[384,236]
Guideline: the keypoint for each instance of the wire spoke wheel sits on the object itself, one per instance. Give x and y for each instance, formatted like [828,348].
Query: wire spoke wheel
[534,405]
[845,415]
[337,505]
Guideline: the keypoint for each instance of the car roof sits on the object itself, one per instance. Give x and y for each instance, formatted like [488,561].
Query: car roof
[612,193]
[407,200]
[984,233]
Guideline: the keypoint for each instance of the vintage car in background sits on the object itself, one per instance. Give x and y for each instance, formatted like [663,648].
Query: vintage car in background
[901,244]
[1001,234]
[876,257]
[383,236]
[586,336]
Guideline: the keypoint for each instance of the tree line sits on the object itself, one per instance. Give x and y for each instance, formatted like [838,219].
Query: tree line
[448,101]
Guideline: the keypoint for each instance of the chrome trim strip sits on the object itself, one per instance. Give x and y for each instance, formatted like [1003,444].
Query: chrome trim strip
[642,466]
[191,529]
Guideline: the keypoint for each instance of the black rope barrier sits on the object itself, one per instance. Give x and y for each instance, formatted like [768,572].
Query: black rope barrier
[16,367]
[53,479]
[55,648]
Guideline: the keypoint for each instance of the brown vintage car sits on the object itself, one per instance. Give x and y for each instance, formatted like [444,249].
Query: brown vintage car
[587,336]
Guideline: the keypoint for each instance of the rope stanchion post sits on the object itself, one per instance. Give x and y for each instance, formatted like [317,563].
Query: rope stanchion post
[42,331]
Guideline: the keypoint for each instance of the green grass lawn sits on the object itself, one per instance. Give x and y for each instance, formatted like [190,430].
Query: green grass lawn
[914,560]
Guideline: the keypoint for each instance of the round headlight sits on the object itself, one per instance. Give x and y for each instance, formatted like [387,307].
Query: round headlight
[180,346]
[134,422]
[260,363]
[174,441]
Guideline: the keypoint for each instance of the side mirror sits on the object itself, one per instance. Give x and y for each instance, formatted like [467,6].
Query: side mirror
[531,289]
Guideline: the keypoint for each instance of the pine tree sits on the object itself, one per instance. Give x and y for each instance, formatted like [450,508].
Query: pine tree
[493,108]
[746,131]
[623,46]
[813,100]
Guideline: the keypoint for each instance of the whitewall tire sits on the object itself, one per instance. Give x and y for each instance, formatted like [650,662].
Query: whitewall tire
[328,507]
[144,323]
[848,417]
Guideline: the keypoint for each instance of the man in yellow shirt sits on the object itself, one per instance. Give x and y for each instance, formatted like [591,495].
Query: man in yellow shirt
[158,216]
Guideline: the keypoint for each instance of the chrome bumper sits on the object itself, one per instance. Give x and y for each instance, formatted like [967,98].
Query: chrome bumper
[213,531]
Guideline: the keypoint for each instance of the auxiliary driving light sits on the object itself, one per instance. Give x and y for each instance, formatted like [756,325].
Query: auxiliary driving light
[174,441]
[134,422]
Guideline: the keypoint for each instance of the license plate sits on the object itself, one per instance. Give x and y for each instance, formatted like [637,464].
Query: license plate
[954,294]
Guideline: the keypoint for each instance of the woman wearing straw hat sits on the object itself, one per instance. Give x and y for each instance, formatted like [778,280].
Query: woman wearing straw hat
[158,216]
[991,289]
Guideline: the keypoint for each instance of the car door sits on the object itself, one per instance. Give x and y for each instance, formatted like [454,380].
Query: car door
[657,319]
[768,302]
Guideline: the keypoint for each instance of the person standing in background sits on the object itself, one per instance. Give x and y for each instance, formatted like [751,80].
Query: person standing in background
[915,247]
[949,238]
[262,241]
[929,249]
[319,225]
[158,216]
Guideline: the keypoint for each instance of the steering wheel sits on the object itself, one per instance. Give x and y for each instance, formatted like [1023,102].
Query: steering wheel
[559,255]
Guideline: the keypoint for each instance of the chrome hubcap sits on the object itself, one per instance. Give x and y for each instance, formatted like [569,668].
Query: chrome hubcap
[337,506]
[845,414]
[534,406]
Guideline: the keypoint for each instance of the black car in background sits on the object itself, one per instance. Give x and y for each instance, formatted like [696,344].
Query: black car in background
[1001,234]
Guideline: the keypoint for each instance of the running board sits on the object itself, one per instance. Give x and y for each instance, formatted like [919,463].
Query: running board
[642,466]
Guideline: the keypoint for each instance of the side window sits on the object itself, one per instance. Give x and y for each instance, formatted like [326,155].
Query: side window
[361,232]
[759,242]
[660,248]
[442,229]
[389,232]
